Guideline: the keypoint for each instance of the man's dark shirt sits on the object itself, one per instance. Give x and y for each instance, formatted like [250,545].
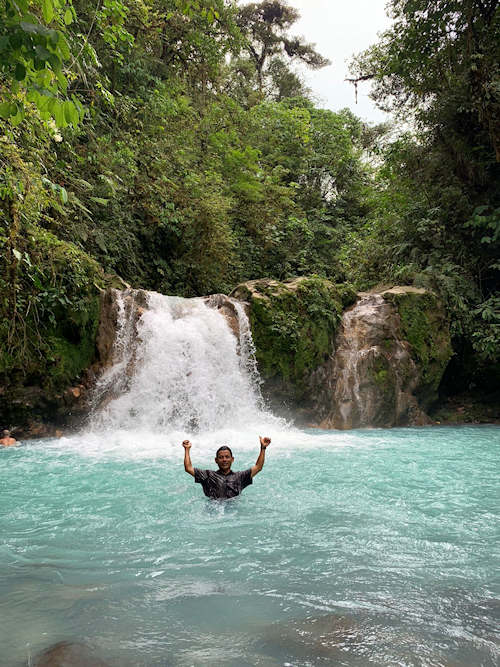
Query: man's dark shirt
[217,485]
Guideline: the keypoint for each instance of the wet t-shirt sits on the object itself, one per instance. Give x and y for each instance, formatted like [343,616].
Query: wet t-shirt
[217,485]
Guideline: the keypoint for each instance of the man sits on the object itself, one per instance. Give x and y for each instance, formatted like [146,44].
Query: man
[224,483]
[6,440]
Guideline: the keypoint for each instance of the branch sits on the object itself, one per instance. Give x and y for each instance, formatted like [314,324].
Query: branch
[365,77]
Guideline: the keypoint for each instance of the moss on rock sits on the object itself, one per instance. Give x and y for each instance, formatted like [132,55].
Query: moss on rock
[425,326]
[293,327]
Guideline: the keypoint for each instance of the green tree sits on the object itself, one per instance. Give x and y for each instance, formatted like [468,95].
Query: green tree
[265,26]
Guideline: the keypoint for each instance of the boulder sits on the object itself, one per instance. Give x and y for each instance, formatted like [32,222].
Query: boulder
[69,654]
[226,306]
[424,325]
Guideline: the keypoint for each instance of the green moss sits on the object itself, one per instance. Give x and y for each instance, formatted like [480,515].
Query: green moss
[382,375]
[293,326]
[424,326]
[71,352]
[388,343]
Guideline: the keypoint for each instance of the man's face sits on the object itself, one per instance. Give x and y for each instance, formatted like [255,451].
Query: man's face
[224,460]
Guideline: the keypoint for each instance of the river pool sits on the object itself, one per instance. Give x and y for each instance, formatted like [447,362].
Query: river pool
[370,547]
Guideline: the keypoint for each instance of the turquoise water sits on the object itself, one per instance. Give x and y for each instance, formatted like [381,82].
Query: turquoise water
[376,547]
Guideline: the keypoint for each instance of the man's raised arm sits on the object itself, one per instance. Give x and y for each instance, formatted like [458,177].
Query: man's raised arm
[259,464]
[188,466]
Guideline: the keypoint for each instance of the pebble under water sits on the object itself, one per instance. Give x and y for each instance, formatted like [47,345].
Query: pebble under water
[373,547]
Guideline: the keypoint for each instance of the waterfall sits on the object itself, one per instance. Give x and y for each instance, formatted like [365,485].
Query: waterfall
[373,372]
[176,365]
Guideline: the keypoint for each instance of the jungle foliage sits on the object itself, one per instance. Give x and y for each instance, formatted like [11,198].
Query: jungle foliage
[173,143]
[437,218]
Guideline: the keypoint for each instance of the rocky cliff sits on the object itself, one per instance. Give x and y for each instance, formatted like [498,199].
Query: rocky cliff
[378,363]
[390,354]
[327,356]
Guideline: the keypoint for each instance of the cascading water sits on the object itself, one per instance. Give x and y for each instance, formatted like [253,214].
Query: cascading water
[178,369]
[115,379]
[373,372]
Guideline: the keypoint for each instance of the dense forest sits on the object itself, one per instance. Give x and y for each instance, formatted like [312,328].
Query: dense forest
[171,144]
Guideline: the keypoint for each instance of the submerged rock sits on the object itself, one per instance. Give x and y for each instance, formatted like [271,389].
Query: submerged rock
[69,654]
[334,639]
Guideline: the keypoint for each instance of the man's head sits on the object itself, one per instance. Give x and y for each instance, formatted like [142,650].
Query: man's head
[224,458]
[6,433]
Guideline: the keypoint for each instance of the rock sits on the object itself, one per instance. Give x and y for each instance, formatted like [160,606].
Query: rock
[115,281]
[327,638]
[373,372]
[226,306]
[335,639]
[134,303]
[69,654]
[390,355]
[107,327]
[37,430]
[378,364]
[293,326]
[424,325]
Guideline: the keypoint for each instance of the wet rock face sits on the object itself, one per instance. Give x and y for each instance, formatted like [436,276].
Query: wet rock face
[116,343]
[293,327]
[227,308]
[383,373]
[373,373]
[134,302]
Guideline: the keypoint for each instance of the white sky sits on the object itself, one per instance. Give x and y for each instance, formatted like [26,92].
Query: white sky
[340,29]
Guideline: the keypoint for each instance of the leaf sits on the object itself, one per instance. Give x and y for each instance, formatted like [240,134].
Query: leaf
[16,40]
[55,63]
[64,48]
[6,109]
[84,184]
[33,28]
[68,109]
[42,52]
[18,118]
[17,254]
[68,17]
[20,72]
[63,195]
[99,239]
[47,10]
[100,200]
[57,111]
[61,79]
